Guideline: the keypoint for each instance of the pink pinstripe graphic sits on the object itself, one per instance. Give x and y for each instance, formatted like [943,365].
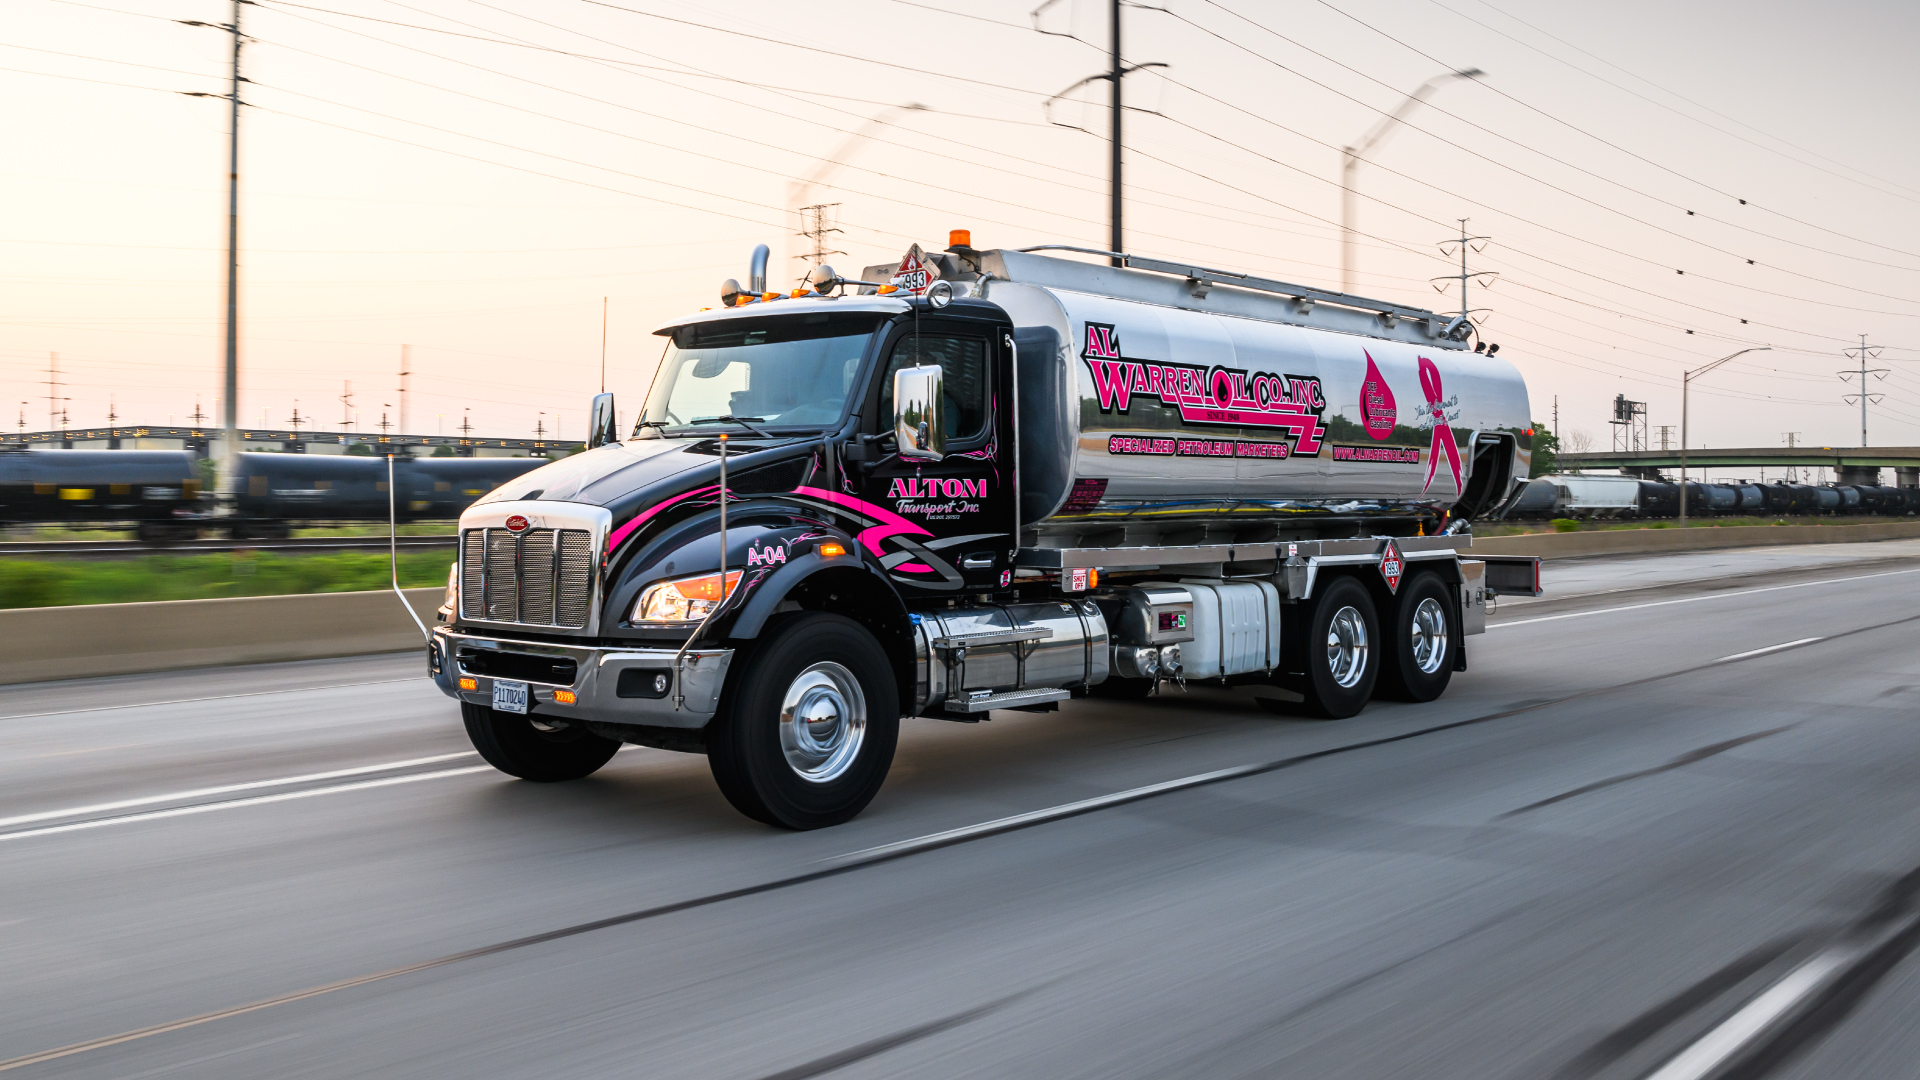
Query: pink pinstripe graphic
[892,524]
[641,518]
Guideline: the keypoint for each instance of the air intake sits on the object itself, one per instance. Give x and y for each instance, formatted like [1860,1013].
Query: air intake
[539,577]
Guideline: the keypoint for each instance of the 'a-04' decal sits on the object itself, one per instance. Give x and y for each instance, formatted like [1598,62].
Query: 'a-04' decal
[1218,395]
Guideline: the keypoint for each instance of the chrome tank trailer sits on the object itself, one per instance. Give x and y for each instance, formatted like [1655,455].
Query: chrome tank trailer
[1148,395]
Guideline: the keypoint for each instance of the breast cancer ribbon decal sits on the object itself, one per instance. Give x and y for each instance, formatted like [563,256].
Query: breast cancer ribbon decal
[1442,433]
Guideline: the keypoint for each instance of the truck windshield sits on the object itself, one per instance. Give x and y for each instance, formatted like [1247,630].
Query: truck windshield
[773,374]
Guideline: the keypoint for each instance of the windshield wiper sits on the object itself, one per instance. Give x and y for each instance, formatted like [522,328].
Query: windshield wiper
[744,421]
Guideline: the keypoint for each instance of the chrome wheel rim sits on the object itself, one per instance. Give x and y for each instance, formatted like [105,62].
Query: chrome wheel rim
[823,722]
[1429,635]
[1347,647]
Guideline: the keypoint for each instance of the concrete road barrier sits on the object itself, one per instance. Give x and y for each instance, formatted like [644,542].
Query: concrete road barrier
[125,639]
[1705,538]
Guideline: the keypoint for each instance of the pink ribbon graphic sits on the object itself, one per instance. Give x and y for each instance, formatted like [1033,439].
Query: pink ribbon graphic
[1442,434]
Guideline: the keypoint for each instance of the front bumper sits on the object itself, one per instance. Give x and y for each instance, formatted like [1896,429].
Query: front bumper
[597,681]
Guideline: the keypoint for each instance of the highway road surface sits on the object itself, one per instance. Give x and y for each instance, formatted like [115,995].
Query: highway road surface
[1666,826]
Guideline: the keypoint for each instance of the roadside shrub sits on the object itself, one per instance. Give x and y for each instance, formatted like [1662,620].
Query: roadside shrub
[1565,525]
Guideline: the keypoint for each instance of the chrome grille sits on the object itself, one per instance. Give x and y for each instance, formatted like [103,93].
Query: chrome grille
[472,559]
[541,577]
[536,576]
[576,578]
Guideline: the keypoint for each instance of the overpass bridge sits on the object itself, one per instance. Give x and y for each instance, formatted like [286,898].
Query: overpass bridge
[1850,464]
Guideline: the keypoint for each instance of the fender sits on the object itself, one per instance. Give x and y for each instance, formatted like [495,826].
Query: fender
[769,594]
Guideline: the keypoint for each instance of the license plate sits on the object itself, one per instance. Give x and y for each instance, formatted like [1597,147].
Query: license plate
[509,696]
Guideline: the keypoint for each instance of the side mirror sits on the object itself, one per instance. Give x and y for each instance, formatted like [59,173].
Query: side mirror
[919,431]
[602,426]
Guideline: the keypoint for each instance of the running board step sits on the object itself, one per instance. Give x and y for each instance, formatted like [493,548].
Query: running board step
[995,637]
[1006,699]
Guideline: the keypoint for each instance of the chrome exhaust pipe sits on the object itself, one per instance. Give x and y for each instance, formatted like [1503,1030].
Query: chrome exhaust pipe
[757,270]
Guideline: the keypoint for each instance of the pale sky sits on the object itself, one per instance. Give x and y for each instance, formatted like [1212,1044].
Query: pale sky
[476,199]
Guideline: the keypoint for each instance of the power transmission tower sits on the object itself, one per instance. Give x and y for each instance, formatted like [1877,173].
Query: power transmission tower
[1474,245]
[384,425]
[346,405]
[297,419]
[1793,474]
[817,223]
[113,416]
[53,391]
[199,418]
[540,428]
[1666,430]
[1864,353]
[466,424]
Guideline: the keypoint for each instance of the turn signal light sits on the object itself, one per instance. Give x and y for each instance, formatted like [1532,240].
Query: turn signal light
[832,550]
[798,293]
[563,697]
[1093,579]
[770,296]
[886,289]
[743,300]
[469,684]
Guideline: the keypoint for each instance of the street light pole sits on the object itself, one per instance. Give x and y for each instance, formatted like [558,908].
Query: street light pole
[1686,378]
[1350,160]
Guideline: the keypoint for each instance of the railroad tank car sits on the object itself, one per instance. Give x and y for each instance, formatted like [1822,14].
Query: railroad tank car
[159,490]
[1600,496]
[1540,499]
[276,490]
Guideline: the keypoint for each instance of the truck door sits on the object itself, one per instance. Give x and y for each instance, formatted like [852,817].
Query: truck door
[947,524]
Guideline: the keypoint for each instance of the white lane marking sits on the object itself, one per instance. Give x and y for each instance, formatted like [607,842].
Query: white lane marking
[1005,824]
[228,789]
[231,804]
[1736,1031]
[1768,649]
[213,697]
[1697,599]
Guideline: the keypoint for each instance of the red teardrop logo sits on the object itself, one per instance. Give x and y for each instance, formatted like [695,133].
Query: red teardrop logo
[516,524]
[1377,410]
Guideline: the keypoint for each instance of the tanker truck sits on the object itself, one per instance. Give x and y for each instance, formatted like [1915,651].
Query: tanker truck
[983,480]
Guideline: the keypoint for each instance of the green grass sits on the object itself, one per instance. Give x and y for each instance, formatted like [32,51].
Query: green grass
[52,582]
[1570,525]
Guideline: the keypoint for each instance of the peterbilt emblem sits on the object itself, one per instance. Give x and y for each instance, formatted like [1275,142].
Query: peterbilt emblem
[516,524]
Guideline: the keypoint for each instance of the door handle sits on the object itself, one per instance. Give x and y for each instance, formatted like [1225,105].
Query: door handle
[977,562]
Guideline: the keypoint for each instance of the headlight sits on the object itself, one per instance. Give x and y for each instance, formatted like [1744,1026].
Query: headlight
[686,600]
[452,600]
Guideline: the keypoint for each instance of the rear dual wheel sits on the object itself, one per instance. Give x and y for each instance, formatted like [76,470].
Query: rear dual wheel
[1423,642]
[1350,656]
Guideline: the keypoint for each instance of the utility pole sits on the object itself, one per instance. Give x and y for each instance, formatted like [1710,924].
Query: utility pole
[1556,417]
[1116,241]
[406,369]
[1865,352]
[230,457]
[1686,380]
[1475,244]
[1116,73]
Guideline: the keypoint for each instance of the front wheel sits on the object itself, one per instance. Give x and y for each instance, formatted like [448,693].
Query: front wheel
[535,750]
[807,731]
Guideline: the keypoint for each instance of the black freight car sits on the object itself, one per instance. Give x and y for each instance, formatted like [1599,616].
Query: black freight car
[159,490]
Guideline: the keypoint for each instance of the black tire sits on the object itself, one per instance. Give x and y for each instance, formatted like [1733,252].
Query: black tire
[1416,663]
[758,757]
[509,742]
[1322,688]
[1124,689]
